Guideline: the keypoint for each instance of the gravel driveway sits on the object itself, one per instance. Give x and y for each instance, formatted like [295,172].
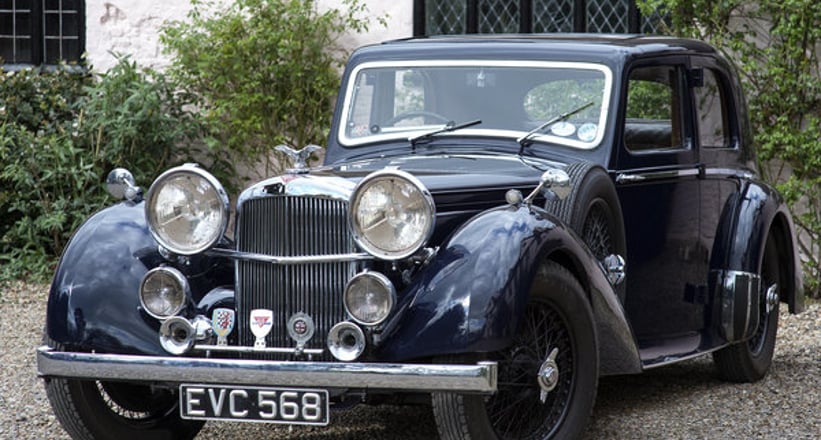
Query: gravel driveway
[683,401]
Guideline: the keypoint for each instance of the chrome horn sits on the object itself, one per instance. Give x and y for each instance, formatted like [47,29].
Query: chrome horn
[178,335]
[346,341]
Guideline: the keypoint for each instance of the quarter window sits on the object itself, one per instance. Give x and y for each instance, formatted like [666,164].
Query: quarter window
[711,109]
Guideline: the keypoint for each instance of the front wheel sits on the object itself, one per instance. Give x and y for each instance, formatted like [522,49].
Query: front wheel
[547,376]
[117,410]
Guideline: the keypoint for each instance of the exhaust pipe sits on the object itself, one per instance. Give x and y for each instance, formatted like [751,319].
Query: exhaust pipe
[178,335]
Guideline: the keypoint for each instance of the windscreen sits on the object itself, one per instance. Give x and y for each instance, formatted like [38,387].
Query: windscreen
[386,101]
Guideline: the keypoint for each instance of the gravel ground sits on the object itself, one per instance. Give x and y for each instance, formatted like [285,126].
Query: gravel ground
[683,401]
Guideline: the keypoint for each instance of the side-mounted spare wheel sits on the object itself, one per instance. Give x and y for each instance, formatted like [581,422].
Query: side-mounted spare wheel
[592,210]
[547,376]
[91,410]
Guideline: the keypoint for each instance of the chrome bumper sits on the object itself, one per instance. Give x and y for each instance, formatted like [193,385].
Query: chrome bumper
[478,378]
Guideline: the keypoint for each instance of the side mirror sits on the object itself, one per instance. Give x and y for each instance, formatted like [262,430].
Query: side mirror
[120,184]
[553,180]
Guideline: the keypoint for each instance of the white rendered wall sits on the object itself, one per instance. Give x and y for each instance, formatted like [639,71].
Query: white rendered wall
[132,27]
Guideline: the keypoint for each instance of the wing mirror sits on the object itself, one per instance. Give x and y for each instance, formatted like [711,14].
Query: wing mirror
[120,184]
[555,181]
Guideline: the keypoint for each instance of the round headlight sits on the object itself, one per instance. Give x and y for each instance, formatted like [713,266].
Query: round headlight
[392,214]
[187,210]
[369,298]
[163,292]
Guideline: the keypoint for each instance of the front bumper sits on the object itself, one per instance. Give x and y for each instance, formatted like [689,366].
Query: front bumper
[478,378]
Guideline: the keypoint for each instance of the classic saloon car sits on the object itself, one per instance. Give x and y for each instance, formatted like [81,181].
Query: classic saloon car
[499,221]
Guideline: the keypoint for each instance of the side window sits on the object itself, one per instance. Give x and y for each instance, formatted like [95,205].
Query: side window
[711,108]
[653,109]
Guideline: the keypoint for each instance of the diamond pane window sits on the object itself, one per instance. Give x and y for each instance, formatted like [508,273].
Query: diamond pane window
[439,17]
[553,16]
[498,17]
[445,17]
[608,16]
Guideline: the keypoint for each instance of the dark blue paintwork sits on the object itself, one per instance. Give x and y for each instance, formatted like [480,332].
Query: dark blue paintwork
[447,312]
[93,302]
[697,208]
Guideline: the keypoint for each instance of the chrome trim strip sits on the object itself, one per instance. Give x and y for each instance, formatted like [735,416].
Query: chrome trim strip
[728,172]
[274,259]
[238,349]
[640,176]
[478,378]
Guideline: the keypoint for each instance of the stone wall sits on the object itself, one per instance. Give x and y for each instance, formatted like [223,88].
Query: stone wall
[132,27]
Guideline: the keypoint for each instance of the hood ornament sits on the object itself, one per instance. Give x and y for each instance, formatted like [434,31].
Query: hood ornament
[298,157]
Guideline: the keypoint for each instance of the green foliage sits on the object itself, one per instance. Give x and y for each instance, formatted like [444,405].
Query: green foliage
[265,71]
[60,134]
[776,46]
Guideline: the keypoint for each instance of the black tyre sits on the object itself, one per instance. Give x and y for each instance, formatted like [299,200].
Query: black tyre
[117,410]
[749,361]
[593,210]
[557,325]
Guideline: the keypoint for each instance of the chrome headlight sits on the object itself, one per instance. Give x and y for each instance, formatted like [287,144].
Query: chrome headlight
[369,298]
[391,214]
[187,210]
[164,292]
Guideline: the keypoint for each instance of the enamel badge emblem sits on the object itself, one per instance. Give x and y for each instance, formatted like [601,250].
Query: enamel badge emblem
[262,321]
[222,321]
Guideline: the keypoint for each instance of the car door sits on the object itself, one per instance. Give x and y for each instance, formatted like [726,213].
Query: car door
[658,179]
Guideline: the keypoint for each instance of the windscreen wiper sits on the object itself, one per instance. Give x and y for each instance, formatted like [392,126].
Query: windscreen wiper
[527,139]
[450,126]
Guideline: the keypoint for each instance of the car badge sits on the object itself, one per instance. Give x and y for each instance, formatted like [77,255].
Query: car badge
[301,328]
[222,321]
[262,321]
[299,157]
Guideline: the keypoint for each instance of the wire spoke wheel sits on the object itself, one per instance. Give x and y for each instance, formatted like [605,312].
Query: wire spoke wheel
[547,374]
[517,410]
[596,231]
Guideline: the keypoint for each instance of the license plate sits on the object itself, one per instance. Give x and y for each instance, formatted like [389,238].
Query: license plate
[254,404]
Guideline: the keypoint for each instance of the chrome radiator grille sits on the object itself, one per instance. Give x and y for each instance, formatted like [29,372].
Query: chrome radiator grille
[292,226]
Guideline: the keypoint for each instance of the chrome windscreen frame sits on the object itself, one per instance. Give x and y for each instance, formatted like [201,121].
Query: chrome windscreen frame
[347,105]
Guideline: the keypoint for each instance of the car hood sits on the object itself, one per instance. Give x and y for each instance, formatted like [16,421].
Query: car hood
[451,178]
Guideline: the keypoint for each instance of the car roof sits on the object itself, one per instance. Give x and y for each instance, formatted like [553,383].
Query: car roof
[582,47]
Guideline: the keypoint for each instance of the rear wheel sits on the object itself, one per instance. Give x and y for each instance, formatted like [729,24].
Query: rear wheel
[547,377]
[117,410]
[749,361]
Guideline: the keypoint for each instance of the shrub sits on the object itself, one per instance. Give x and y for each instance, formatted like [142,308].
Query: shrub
[266,71]
[60,134]
[775,44]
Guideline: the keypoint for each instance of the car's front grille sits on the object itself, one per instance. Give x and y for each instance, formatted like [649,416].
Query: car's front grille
[292,226]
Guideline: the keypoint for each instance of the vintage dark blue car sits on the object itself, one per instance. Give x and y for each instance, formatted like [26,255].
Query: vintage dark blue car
[499,221]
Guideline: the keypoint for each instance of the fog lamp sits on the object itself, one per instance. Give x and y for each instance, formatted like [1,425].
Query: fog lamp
[164,292]
[369,298]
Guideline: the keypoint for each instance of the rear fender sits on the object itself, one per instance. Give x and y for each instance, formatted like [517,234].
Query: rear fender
[472,295]
[93,301]
[748,218]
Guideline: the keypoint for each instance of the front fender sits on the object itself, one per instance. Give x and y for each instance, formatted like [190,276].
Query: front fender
[93,301]
[472,295]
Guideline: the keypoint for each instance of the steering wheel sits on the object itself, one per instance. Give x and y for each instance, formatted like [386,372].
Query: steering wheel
[416,114]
